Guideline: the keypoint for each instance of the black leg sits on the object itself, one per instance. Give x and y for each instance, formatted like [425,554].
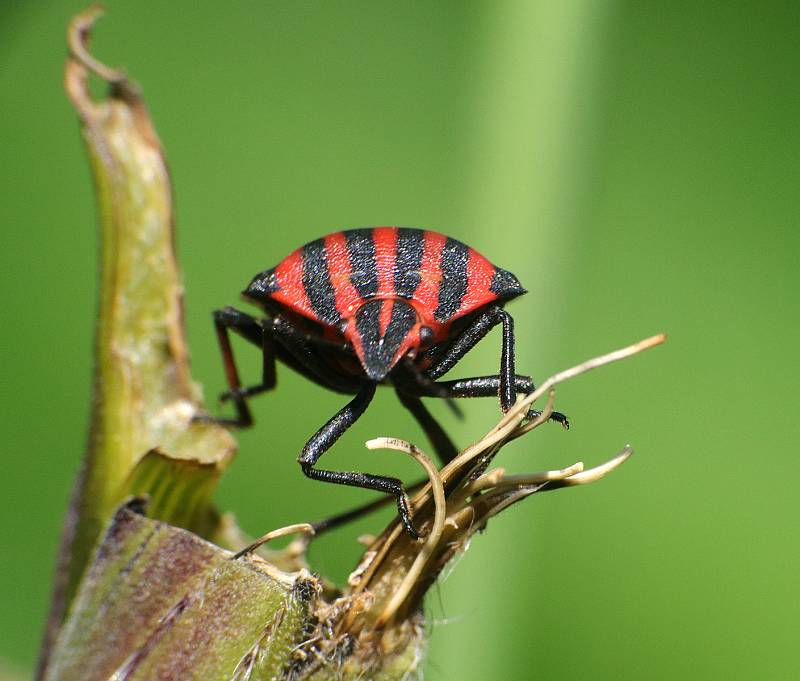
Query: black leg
[470,337]
[507,373]
[276,338]
[256,331]
[506,384]
[250,329]
[332,522]
[488,386]
[309,357]
[445,360]
[414,381]
[484,386]
[442,444]
[324,438]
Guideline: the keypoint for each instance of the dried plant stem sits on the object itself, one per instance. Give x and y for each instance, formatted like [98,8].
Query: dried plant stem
[304,528]
[434,535]
[472,496]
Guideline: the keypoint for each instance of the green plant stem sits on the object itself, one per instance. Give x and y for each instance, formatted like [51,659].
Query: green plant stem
[144,397]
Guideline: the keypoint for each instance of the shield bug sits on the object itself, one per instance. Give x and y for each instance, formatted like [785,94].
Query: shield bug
[380,305]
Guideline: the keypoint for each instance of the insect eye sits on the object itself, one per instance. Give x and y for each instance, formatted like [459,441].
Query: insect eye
[425,334]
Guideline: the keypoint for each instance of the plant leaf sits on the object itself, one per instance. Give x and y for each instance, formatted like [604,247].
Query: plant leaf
[160,602]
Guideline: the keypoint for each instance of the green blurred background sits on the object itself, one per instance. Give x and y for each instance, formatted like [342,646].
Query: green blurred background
[635,164]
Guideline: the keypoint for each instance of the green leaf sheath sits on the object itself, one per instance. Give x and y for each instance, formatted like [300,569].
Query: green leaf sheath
[160,603]
[144,398]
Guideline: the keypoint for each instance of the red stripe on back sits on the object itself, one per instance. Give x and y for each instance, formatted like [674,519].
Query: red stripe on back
[385,240]
[430,276]
[479,280]
[347,298]
[290,279]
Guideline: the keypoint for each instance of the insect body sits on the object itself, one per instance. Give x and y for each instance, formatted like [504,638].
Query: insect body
[362,307]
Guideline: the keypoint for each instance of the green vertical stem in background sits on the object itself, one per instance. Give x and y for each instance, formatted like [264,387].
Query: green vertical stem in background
[143,394]
[531,96]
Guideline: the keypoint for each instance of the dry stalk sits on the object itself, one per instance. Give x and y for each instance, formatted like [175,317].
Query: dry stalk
[460,499]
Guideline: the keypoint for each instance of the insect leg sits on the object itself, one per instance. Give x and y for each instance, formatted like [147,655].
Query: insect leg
[324,438]
[507,374]
[442,444]
[332,522]
[464,342]
[249,328]
[257,333]
[277,340]
[488,386]
[470,337]
[307,357]
[416,382]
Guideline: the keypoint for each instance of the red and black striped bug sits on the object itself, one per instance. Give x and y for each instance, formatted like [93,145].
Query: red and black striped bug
[385,305]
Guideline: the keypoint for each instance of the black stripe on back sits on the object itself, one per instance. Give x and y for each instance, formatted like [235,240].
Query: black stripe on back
[380,351]
[400,323]
[453,287]
[263,285]
[317,282]
[410,246]
[363,268]
[368,323]
[505,285]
